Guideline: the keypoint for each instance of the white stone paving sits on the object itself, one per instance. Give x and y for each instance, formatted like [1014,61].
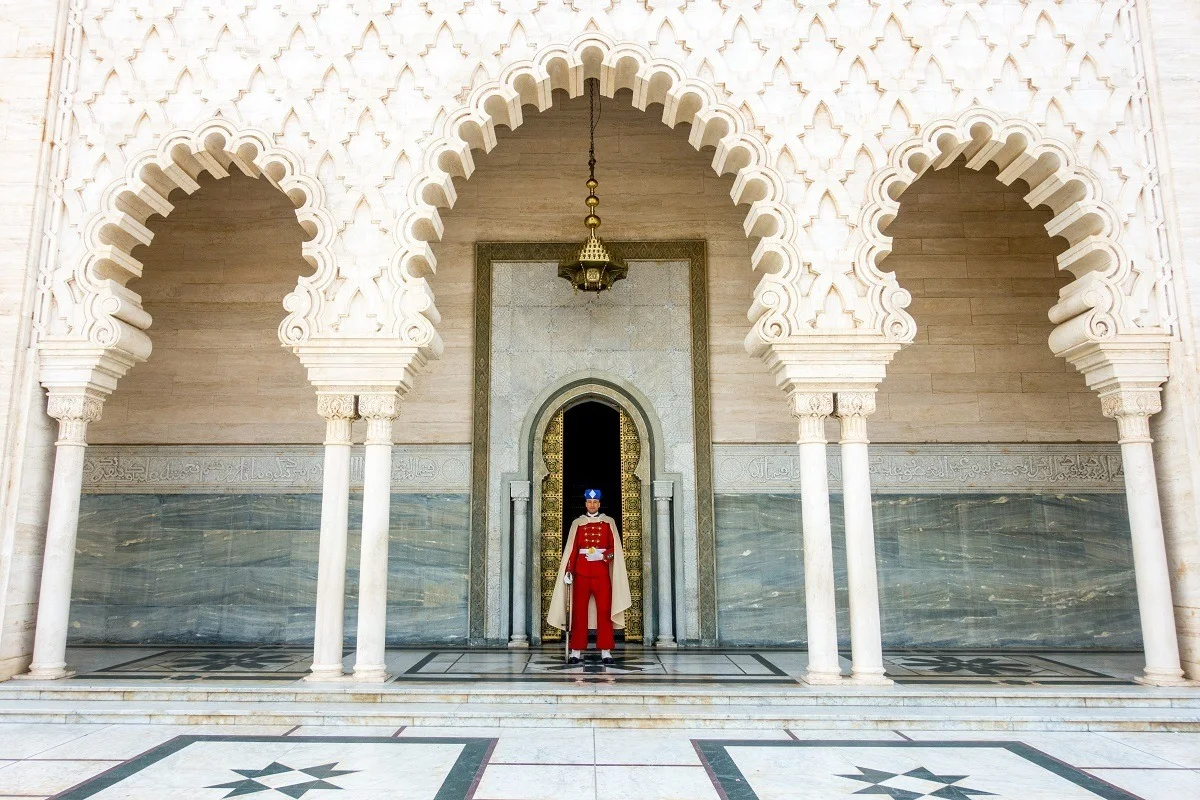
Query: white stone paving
[40,760]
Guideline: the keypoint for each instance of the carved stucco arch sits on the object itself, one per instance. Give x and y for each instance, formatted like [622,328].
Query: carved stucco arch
[787,300]
[93,325]
[1100,305]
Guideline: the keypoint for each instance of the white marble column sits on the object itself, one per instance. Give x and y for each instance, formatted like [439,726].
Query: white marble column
[73,410]
[664,491]
[811,409]
[866,642]
[379,410]
[1132,408]
[519,491]
[339,413]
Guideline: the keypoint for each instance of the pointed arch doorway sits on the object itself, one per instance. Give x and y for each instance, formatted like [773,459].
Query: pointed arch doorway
[593,443]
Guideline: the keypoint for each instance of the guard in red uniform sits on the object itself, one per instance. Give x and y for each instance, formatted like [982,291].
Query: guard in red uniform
[587,564]
[593,570]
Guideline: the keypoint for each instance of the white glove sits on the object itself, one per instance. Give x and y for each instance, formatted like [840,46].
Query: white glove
[596,556]
[568,579]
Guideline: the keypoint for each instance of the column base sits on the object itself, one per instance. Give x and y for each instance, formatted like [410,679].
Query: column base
[666,643]
[325,673]
[818,678]
[519,642]
[52,672]
[870,678]
[371,674]
[1152,677]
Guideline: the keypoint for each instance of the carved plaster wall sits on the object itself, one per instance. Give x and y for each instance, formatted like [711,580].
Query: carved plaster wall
[364,113]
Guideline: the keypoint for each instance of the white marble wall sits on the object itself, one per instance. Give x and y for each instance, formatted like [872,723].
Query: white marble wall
[639,333]
[1172,28]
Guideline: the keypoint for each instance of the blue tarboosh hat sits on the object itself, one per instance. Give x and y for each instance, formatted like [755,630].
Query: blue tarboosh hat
[591,494]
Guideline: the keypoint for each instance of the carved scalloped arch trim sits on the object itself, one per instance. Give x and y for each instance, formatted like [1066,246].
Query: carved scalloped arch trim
[1092,307]
[780,310]
[109,314]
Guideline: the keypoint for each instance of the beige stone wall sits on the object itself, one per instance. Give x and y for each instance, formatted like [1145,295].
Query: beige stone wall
[216,273]
[982,272]
[978,262]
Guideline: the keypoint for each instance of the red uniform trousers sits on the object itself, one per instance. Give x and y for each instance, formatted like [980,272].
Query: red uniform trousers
[591,579]
[585,586]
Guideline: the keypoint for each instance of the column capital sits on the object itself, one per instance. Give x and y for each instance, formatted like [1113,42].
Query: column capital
[519,490]
[74,409]
[811,408]
[336,406]
[664,490]
[339,411]
[379,405]
[379,409]
[1132,408]
[853,408]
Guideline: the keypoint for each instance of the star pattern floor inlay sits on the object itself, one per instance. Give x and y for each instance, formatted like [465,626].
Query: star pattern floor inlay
[635,764]
[901,770]
[268,779]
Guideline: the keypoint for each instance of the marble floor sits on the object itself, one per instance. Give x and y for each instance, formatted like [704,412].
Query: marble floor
[159,762]
[741,666]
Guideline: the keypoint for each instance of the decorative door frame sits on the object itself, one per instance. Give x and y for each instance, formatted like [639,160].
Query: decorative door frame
[543,564]
[695,253]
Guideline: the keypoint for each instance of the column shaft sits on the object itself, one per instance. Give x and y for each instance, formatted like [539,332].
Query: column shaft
[339,413]
[820,605]
[379,411]
[865,639]
[519,490]
[1132,410]
[74,412]
[663,493]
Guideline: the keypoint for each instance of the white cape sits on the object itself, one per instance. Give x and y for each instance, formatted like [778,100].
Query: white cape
[556,614]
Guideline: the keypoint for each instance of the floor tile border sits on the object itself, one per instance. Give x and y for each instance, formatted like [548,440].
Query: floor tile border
[458,785]
[731,784]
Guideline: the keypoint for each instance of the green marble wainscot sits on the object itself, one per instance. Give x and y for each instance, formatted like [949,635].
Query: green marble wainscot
[239,568]
[955,570]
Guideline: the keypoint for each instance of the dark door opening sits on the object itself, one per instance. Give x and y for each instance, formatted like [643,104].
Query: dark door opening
[591,460]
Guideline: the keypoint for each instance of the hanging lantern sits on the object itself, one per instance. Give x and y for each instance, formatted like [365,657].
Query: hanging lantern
[593,268]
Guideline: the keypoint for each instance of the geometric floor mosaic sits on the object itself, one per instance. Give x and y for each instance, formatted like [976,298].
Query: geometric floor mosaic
[632,664]
[948,770]
[1010,668]
[309,766]
[595,764]
[263,663]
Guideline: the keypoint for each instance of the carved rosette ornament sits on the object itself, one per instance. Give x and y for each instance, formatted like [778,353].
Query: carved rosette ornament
[811,408]
[379,410]
[74,411]
[853,408]
[1132,409]
[339,411]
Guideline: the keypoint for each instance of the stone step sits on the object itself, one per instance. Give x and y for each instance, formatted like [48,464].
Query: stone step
[658,695]
[594,694]
[484,714]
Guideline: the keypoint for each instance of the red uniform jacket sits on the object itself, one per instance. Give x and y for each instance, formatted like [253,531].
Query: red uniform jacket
[591,534]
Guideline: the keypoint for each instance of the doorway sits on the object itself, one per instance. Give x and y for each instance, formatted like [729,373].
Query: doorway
[593,444]
[591,460]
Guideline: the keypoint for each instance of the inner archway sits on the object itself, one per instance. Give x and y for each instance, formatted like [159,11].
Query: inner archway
[592,441]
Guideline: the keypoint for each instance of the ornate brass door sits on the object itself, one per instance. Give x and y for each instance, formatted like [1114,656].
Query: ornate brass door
[631,519]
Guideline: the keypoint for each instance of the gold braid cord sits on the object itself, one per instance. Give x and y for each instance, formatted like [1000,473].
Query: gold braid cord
[552,518]
[631,524]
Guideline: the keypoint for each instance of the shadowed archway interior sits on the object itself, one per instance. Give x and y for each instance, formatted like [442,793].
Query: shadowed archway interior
[591,459]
